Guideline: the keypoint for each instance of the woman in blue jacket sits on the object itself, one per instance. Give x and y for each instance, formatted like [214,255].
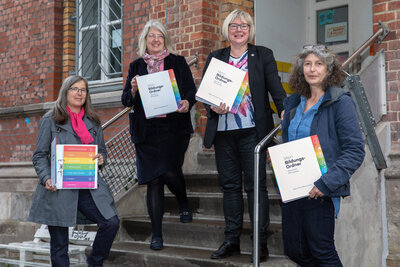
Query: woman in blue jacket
[320,107]
[160,142]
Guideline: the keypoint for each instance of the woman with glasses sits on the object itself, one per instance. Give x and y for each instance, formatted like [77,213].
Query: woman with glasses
[235,136]
[320,107]
[73,121]
[160,142]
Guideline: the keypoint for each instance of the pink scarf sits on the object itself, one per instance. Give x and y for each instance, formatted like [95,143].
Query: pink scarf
[155,63]
[79,126]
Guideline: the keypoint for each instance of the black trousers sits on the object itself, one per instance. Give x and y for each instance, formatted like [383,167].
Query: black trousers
[234,153]
[308,228]
[102,243]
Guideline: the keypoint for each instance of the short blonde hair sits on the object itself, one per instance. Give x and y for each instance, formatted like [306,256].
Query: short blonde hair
[243,16]
[156,25]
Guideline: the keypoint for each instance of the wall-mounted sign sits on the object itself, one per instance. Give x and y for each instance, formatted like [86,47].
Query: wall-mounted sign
[336,32]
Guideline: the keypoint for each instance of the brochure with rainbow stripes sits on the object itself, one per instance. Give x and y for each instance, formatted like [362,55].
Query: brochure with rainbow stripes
[72,166]
[297,165]
[223,83]
[159,93]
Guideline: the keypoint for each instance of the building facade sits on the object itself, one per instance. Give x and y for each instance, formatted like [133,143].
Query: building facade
[44,41]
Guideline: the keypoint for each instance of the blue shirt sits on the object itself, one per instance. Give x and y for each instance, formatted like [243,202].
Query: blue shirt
[301,123]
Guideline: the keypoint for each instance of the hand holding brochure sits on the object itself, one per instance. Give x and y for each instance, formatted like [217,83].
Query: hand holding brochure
[297,165]
[72,166]
[159,93]
[223,83]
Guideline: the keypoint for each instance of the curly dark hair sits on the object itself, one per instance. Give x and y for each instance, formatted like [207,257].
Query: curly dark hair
[335,75]
[60,114]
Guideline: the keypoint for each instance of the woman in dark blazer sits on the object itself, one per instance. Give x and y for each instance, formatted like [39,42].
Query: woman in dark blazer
[160,142]
[235,135]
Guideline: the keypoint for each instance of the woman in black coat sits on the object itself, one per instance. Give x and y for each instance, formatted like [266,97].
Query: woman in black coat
[235,135]
[160,142]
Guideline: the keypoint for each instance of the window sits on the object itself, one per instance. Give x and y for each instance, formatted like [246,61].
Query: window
[99,40]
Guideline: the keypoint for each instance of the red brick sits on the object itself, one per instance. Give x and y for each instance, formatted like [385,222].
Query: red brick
[394,45]
[393,5]
[384,17]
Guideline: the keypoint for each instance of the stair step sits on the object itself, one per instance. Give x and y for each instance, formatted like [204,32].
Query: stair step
[211,204]
[201,233]
[139,254]
[208,182]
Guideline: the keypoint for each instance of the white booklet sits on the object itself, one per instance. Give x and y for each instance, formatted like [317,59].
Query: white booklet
[159,93]
[297,165]
[72,166]
[223,83]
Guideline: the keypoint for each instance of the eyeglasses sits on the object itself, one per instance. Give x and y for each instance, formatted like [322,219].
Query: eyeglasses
[316,47]
[80,90]
[155,36]
[234,26]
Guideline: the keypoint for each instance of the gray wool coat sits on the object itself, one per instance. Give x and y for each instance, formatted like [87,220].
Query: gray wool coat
[60,208]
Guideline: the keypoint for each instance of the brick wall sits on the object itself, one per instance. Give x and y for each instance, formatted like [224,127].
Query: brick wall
[30,38]
[69,32]
[37,50]
[388,11]
[135,16]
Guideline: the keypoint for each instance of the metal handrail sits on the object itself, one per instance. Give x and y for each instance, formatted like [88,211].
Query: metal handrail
[193,61]
[257,151]
[115,118]
[380,35]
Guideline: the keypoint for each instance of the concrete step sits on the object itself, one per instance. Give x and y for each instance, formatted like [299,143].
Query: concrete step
[201,233]
[137,254]
[211,205]
[208,182]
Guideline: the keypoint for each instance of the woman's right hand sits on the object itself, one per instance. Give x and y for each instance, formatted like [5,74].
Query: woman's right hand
[222,109]
[134,86]
[49,187]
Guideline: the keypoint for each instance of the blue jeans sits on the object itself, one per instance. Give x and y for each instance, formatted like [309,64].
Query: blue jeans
[234,153]
[102,243]
[308,227]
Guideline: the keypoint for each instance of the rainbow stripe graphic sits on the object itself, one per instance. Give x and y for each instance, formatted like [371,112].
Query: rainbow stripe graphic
[175,87]
[319,154]
[79,170]
[240,94]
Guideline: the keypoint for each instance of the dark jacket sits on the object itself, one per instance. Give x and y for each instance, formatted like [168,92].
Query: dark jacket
[336,124]
[60,208]
[179,122]
[263,78]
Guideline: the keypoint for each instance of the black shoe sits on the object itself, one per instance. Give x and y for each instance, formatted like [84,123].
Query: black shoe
[156,243]
[225,250]
[264,253]
[186,216]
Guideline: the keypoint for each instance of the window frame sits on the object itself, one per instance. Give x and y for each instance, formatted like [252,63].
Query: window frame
[104,45]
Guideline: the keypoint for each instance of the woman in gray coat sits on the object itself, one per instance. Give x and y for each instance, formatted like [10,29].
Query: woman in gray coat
[73,121]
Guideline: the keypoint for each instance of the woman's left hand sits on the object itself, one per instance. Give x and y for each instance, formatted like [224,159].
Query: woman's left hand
[315,193]
[99,158]
[184,106]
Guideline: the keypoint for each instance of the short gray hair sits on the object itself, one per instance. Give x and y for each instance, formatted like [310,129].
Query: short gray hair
[156,25]
[243,16]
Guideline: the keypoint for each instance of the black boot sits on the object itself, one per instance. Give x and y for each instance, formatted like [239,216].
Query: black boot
[264,253]
[225,250]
